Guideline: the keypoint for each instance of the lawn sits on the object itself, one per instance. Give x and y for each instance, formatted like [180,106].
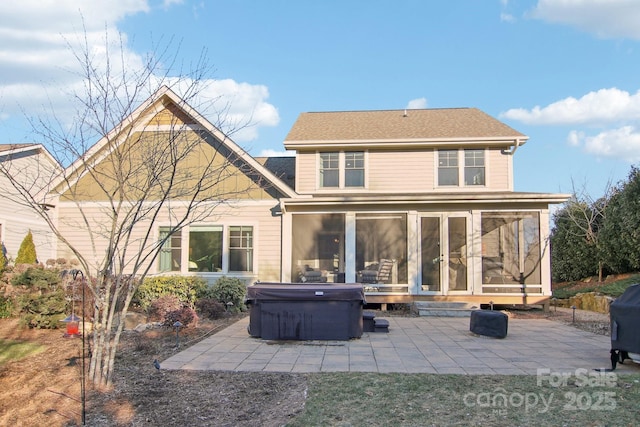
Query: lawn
[16,350]
[366,399]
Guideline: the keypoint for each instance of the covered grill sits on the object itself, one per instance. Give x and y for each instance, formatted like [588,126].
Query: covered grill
[310,311]
[624,313]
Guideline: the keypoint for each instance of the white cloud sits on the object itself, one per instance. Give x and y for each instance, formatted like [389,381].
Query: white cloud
[622,143]
[507,17]
[605,18]
[276,153]
[38,68]
[602,106]
[416,104]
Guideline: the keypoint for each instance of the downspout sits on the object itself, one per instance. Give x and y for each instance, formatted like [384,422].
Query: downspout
[512,150]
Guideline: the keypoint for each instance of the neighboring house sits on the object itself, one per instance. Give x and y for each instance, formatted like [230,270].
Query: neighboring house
[31,168]
[414,204]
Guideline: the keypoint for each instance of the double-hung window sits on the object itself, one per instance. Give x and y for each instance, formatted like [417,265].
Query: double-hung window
[171,251]
[448,167]
[240,248]
[329,170]
[207,252]
[354,169]
[344,169]
[473,167]
[450,172]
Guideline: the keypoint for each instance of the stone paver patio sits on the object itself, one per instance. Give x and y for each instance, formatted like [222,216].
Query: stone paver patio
[439,345]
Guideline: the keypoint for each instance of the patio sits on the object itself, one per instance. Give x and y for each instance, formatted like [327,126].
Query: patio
[437,345]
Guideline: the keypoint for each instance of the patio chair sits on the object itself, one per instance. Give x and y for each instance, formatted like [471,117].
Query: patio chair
[377,273]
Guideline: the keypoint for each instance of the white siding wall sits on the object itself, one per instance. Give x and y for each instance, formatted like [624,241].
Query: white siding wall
[16,219]
[409,172]
[257,214]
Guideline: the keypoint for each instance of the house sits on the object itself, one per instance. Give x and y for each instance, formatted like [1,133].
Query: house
[414,204]
[232,229]
[31,168]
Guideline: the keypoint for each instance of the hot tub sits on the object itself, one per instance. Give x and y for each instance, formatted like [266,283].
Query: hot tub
[310,311]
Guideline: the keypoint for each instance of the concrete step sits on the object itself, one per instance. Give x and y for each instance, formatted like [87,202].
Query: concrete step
[445,308]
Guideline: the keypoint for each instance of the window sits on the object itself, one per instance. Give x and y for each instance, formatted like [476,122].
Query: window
[354,169]
[510,250]
[171,252]
[205,248]
[448,167]
[473,167]
[451,174]
[342,169]
[329,170]
[240,248]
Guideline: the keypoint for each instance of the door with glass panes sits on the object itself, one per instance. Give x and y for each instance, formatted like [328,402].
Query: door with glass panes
[444,254]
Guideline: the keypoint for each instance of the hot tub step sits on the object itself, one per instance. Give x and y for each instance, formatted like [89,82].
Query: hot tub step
[381,325]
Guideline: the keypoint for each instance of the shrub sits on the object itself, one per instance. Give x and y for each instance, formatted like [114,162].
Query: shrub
[231,292]
[161,306]
[185,288]
[210,308]
[27,251]
[184,315]
[42,311]
[6,307]
[37,278]
[3,260]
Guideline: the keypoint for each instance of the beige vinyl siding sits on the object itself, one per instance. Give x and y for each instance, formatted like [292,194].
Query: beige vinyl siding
[403,171]
[499,167]
[306,172]
[266,229]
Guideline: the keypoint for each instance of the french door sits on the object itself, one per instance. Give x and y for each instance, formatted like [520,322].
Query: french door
[444,254]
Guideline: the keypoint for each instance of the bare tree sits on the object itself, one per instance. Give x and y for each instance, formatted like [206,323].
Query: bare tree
[153,162]
[587,215]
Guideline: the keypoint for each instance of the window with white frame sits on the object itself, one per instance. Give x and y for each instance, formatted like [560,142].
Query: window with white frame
[329,170]
[472,172]
[354,169]
[240,248]
[171,251]
[344,169]
[206,249]
[447,167]
[473,167]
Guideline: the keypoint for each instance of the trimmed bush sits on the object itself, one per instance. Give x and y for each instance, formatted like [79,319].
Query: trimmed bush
[230,291]
[210,308]
[160,307]
[185,315]
[3,260]
[37,278]
[27,251]
[185,288]
[6,307]
[43,311]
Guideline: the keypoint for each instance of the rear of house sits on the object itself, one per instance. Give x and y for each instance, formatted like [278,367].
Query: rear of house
[415,204]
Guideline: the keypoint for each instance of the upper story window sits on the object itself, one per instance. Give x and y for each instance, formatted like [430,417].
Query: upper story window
[354,169]
[473,167]
[344,169]
[448,167]
[451,174]
[329,170]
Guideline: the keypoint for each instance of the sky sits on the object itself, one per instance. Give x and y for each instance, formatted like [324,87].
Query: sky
[564,72]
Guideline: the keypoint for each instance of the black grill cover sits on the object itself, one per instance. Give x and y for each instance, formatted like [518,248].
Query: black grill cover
[624,313]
